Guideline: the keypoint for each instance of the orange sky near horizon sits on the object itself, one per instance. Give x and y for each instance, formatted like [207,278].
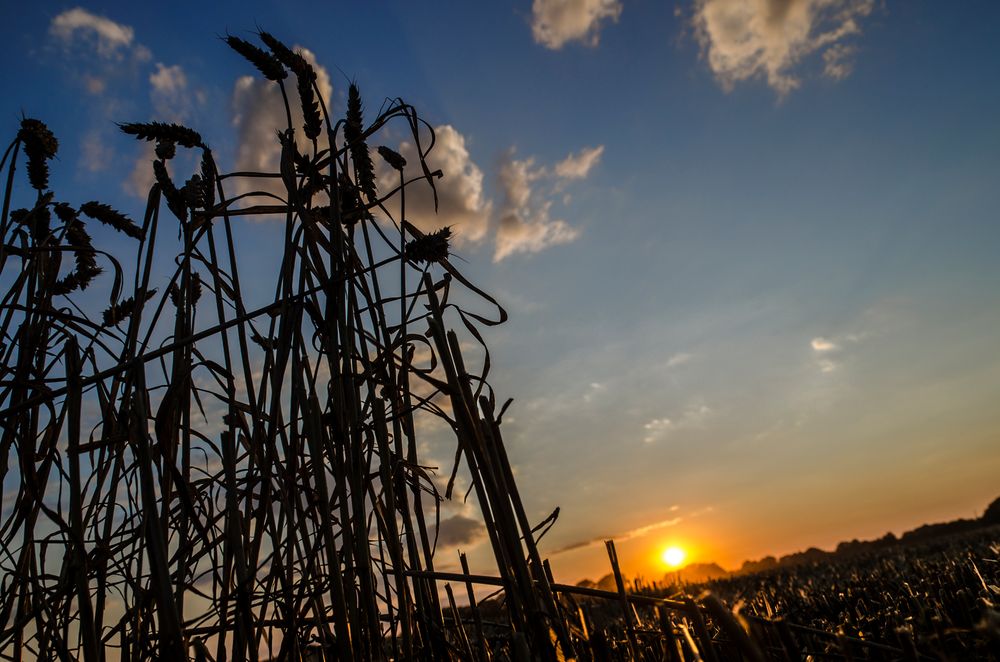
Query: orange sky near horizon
[729,535]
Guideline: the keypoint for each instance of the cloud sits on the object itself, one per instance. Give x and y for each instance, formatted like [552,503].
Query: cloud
[744,39]
[258,113]
[595,389]
[460,530]
[838,61]
[96,153]
[461,203]
[555,22]
[692,417]
[94,84]
[526,224]
[656,428]
[578,166]
[828,348]
[823,345]
[679,359]
[140,178]
[626,535]
[109,38]
[169,92]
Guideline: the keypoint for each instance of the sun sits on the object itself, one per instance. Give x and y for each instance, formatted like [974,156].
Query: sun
[673,556]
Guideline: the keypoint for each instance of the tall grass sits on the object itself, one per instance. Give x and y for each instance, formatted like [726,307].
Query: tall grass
[184,475]
[189,476]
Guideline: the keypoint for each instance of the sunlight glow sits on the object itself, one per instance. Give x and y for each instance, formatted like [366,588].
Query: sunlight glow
[673,556]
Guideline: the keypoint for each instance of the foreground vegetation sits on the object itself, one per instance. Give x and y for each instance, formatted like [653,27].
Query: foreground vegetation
[187,475]
[939,598]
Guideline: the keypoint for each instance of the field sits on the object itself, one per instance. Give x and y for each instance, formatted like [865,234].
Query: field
[938,598]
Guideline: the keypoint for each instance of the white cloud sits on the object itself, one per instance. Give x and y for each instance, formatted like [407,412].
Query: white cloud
[169,92]
[555,22]
[828,349]
[679,359]
[578,166]
[96,153]
[141,178]
[461,203]
[692,417]
[108,37]
[94,84]
[258,113]
[596,388]
[656,428]
[744,39]
[838,61]
[823,345]
[526,224]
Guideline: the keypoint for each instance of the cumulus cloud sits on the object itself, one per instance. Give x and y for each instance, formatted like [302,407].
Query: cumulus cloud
[744,39]
[460,530]
[110,39]
[555,22]
[258,112]
[461,203]
[578,166]
[524,224]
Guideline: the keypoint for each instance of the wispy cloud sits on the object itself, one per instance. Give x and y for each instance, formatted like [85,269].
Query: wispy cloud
[691,417]
[626,535]
[530,230]
[656,429]
[169,92]
[107,59]
[556,22]
[578,166]
[823,345]
[95,154]
[744,39]
[108,38]
[679,359]
[526,224]
[828,350]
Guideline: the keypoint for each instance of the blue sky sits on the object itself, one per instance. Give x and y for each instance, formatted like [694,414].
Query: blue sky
[750,255]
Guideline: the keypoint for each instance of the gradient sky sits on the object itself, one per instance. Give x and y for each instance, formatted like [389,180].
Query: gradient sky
[749,247]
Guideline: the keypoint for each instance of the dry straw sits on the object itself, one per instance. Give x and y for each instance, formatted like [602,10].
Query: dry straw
[213,481]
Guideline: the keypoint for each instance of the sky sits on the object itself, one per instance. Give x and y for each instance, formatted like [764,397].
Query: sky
[748,247]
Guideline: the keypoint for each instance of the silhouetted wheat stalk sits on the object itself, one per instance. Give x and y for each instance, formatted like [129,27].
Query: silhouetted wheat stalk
[199,478]
[187,477]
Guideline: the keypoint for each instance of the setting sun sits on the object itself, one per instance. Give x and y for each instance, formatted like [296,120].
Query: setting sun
[673,556]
